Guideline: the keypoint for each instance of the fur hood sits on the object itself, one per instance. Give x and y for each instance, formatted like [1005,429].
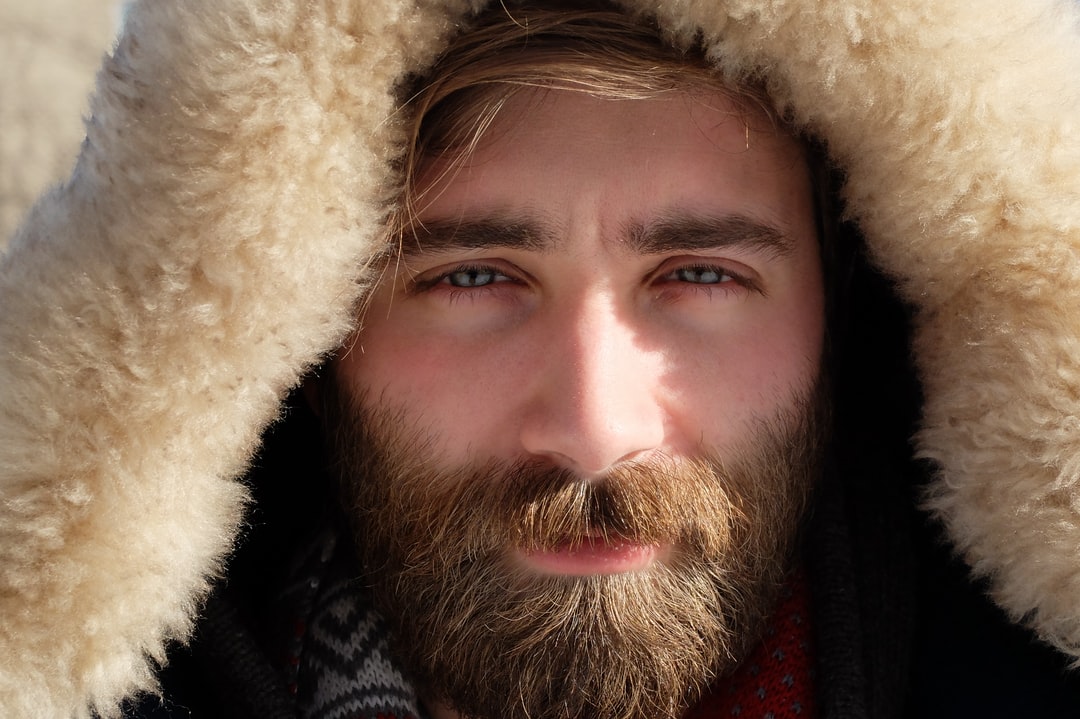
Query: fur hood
[209,247]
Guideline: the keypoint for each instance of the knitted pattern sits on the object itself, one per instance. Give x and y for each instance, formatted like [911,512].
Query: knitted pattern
[340,651]
[776,680]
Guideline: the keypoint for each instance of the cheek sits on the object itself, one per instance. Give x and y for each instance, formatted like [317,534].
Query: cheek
[753,371]
[462,390]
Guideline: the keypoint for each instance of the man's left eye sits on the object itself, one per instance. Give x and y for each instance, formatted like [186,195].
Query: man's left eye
[700,275]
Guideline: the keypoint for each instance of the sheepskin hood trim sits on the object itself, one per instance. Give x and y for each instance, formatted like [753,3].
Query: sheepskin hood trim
[235,176]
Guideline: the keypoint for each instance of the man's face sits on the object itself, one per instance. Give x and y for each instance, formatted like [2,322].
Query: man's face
[578,425]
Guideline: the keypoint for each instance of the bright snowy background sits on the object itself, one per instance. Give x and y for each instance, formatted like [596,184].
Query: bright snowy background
[49,53]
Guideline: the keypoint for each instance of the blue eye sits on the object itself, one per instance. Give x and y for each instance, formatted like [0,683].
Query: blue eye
[701,275]
[470,277]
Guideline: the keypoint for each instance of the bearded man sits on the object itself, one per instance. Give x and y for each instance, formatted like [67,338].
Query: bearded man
[576,431]
[590,328]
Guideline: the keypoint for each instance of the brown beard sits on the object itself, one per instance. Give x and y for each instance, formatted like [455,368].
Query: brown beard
[492,640]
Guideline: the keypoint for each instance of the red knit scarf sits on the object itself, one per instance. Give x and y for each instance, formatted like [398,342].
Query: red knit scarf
[776,680]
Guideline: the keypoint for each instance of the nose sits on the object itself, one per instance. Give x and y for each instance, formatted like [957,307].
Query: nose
[596,401]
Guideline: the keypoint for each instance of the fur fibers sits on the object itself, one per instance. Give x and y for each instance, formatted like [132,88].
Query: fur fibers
[211,244]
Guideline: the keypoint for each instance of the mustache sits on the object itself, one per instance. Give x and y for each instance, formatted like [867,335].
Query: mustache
[533,506]
[538,507]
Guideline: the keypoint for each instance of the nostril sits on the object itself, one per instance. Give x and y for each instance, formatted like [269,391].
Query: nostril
[591,443]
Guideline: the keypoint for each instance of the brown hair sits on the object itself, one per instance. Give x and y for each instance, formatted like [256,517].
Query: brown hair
[588,47]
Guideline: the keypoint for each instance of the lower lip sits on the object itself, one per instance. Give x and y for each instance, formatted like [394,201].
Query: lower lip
[593,557]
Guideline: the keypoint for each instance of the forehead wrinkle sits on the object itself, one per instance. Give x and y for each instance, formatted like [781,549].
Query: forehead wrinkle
[519,232]
[688,232]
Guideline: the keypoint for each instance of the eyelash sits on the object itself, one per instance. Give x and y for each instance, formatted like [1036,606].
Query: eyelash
[443,278]
[723,274]
[728,280]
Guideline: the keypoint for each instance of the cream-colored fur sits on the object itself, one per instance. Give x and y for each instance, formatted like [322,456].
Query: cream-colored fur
[212,241]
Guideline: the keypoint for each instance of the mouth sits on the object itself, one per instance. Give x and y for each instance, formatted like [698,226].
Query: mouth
[592,556]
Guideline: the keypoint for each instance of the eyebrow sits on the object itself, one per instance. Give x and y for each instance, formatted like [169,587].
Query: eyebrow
[692,232]
[521,233]
[677,232]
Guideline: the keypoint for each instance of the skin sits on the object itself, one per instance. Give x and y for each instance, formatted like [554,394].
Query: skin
[601,282]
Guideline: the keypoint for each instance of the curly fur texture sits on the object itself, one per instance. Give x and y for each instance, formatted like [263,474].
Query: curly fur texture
[211,244]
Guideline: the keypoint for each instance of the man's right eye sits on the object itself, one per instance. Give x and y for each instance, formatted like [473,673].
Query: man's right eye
[467,277]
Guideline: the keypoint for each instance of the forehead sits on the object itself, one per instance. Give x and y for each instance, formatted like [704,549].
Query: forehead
[554,158]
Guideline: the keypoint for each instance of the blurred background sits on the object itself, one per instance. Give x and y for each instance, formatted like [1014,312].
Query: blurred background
[49,54]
